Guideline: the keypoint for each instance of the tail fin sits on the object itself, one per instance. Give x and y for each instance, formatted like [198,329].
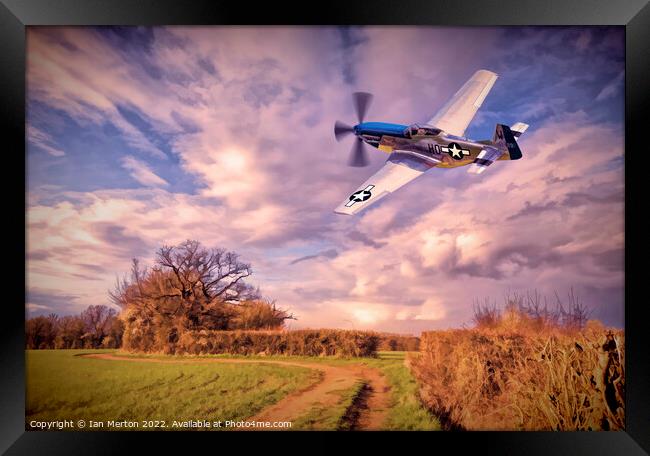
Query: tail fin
[504,139]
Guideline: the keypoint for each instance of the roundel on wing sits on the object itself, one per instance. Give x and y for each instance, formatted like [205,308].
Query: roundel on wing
[361,195]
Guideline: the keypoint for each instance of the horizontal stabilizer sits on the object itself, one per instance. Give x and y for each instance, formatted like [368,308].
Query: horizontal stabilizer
[518,129]
[484,159]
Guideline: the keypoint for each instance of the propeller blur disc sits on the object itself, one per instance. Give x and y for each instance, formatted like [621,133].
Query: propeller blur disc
[341,130]
[358,154]
[361,103]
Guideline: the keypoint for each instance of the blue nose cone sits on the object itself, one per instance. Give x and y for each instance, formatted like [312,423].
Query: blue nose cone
[379,129]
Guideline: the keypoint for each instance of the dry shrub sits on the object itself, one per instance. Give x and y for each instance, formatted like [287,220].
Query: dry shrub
[532,311]
[398,342]
[152,332]
[307,342]
[258,314]
[519,379]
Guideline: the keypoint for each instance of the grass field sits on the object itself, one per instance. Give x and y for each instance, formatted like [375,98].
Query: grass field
[61,385]
[406,412]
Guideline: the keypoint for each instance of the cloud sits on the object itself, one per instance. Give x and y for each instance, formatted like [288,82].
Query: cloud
[32,308]
[364,239]
[115,237]
[43,140]
[351,39]
[84,91]
[44,301]
[533,209]
[142,173]
[582,43]
[612,88]
[432,309]
[331,253]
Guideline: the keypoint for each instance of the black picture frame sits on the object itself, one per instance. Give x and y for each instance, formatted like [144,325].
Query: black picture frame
[15,15]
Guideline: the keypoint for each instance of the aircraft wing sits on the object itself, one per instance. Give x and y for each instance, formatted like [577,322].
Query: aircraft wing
[398,170]
[455,116]
[484,159]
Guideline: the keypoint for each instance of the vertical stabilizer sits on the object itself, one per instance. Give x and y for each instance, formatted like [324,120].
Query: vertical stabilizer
[504,139]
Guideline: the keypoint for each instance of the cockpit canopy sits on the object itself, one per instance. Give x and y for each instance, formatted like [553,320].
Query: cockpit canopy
[420,130]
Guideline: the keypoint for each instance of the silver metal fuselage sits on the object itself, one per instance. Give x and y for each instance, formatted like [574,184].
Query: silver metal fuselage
[432,146]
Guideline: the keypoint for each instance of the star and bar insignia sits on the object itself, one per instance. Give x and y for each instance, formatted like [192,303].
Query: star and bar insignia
[455,151]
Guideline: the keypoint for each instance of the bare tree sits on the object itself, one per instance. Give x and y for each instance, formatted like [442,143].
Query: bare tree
[533,307]
[97,321]
[40,332]
[70,333]
[213,273]
[190,287]
[574,317]
[486,314]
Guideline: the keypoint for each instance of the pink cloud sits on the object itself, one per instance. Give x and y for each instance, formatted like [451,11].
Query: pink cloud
[142,173]
[43,140]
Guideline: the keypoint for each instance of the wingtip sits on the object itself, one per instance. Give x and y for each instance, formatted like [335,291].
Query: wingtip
[339,211]
[486,72]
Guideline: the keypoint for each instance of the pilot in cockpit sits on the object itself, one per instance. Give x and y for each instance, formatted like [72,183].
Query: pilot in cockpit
[419,130]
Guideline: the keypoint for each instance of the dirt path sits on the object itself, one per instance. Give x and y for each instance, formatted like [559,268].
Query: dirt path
[371,408]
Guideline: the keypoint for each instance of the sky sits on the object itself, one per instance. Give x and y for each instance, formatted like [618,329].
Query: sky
[139,137]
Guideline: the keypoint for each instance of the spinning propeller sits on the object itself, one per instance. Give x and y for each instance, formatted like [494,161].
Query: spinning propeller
[358,155]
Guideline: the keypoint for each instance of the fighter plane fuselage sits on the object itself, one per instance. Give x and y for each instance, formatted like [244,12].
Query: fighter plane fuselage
[430,144]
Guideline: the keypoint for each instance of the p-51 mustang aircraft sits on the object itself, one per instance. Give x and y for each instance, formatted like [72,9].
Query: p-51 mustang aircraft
[417,148]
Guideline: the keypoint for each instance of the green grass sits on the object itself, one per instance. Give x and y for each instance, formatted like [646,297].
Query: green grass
[322,418]
[406,413]
[60,385]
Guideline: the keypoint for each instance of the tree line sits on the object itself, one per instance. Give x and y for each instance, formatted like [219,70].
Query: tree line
[188,289]
[95,327]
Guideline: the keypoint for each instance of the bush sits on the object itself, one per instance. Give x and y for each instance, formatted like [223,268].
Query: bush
[532,311]
[398,342]
[497,379]
[307,342]
[257,314]
[156,332]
